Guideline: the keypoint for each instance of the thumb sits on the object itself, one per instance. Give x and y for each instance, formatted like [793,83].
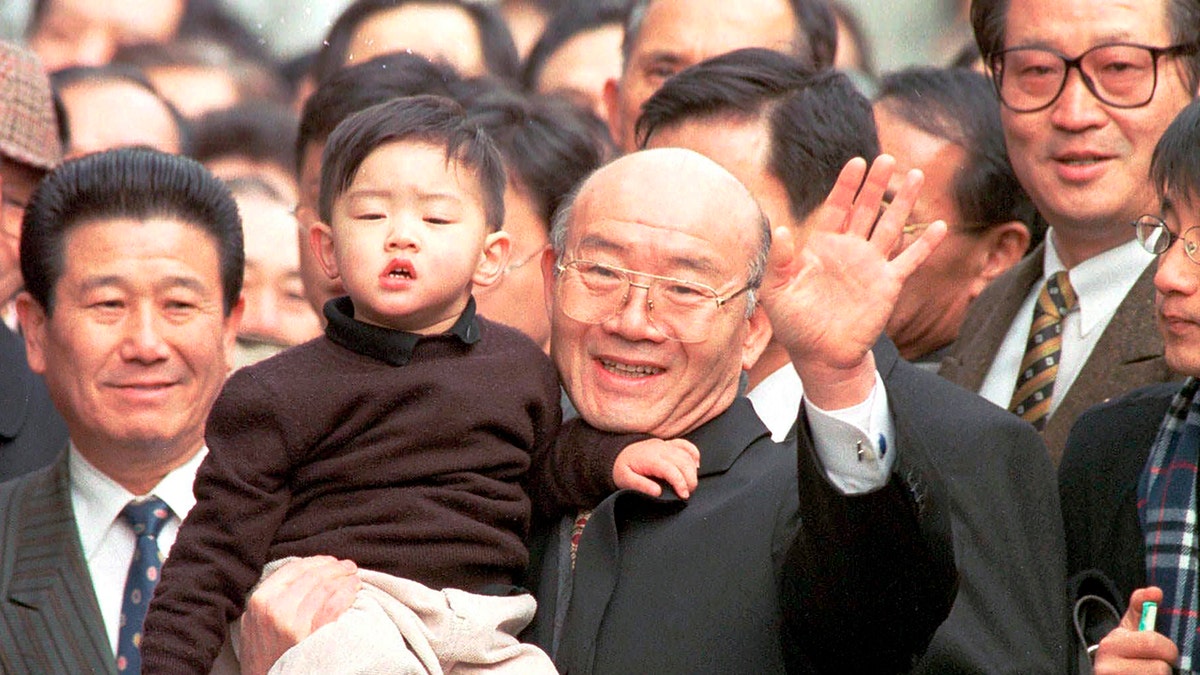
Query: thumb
[1133,615]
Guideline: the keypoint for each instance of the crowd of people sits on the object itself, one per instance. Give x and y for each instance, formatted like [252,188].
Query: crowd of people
[600,336]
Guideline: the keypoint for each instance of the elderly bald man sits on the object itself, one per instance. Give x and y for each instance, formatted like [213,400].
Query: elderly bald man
[810,555]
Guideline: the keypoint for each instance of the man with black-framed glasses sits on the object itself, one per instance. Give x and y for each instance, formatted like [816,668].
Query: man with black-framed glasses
[1086,89]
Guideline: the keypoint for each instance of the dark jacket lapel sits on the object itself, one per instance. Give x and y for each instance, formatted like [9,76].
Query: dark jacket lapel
[1128,355]
[988,321]
[46,580]
[721,441]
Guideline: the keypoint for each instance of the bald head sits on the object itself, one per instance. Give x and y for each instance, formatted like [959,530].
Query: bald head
[664,187]
[663,353]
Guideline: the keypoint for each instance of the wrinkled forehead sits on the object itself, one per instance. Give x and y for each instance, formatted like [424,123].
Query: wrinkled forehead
[671,206]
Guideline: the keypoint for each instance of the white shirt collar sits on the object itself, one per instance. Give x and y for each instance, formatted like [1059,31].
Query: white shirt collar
[98,499]
[777,400]
[1102,281]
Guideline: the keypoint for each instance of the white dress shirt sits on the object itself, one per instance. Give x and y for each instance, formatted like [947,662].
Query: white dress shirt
[108,541]
[855,445]
[1101,283]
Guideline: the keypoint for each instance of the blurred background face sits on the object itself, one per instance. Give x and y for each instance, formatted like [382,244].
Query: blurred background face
[110,114]
[16,187]
[318,287]
[276,314]
[194,90]
[525,21]
[581,66]
[676,34]
[88,32]
[935,298]
[437,32]
[517,299]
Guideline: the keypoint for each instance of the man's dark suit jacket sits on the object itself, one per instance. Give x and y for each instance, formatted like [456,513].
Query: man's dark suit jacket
[32,433]
[1098,481]
[1008,538]
[50,620]
[1128,355]
[752,574]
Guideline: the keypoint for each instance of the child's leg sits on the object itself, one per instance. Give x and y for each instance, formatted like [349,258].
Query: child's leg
[482,635]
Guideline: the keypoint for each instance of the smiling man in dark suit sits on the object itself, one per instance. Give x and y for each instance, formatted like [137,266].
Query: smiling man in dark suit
[130,308]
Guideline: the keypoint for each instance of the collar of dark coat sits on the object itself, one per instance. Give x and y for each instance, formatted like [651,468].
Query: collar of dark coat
[393,347]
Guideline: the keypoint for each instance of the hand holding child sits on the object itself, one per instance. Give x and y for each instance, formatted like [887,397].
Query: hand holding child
[674,462]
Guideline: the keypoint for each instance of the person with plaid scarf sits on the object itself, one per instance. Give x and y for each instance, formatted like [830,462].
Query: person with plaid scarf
[1129,475]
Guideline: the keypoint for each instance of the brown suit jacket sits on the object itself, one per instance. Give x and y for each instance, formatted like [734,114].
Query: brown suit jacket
[1129,354]
[49,618]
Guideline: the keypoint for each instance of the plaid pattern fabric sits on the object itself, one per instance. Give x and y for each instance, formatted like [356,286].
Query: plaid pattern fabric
[28,130]
[1167,510]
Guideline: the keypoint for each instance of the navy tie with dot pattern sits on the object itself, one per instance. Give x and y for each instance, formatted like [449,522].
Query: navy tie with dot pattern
[147,519]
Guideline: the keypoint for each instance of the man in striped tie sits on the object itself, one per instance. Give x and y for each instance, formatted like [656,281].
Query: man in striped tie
[130,308]
[1079,134]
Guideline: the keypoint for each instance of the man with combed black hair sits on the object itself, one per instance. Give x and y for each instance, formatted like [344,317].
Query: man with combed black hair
[130,313]
[662,37]
[548,147]
[946,122]
[801,128]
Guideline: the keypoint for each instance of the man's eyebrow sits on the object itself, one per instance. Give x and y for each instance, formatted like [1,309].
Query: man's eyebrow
[700,265]
[181,281]
[361,193]
[703,265]
[94,282]
[662,56]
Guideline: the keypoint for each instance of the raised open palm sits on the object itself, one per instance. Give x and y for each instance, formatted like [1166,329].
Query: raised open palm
[830,298]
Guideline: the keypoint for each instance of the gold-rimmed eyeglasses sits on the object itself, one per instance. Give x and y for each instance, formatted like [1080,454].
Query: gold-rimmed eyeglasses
[682,310]
[1155,237]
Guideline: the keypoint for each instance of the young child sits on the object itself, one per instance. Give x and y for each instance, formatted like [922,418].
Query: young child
[400,439]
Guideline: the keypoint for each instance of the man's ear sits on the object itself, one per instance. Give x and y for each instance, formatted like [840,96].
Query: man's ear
[33,327]
[230,331]
[493,258]
[612,110]
[758,334]
[320,240]
[1004,245]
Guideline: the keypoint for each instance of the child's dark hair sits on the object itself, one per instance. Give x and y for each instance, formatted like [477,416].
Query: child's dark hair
[428,119]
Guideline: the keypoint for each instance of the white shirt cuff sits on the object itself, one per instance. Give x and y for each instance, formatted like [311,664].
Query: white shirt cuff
[856,444]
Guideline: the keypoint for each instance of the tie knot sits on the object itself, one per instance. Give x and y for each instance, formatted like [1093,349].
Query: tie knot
[1059,297]
[146,517]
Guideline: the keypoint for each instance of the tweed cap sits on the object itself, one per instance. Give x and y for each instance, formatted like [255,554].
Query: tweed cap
[28,130]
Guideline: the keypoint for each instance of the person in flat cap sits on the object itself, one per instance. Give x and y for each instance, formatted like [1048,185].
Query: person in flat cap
[31,432]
